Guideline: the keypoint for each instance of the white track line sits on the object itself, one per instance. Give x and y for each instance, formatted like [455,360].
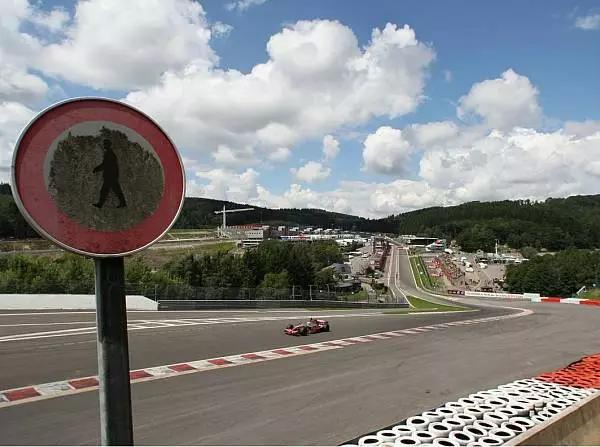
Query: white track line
[37,392]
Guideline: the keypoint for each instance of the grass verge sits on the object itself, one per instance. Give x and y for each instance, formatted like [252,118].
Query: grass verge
[158,258]
[421,304]
[361,295]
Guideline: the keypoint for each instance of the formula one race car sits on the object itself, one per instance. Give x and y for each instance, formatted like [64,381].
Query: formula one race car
[312,326]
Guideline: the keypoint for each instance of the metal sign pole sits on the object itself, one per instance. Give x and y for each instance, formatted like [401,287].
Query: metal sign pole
[116,426]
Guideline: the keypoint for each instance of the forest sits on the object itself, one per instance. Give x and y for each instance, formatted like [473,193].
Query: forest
[553,224]
[273,267]
[562,274]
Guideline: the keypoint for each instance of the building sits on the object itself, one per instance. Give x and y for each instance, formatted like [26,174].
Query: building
[416,241]
[342,270]
[248,235]
[438,245]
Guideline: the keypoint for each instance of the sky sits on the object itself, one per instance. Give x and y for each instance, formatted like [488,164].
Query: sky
[370,107]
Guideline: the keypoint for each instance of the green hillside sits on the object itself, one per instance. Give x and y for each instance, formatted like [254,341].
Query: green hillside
[553,224]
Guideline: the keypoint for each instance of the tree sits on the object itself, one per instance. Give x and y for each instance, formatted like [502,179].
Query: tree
[325,276]
[279,280]
[529,252]
[554,275]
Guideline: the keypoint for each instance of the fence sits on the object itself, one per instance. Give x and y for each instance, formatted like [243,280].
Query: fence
[295,293]
[158,292]
[272,304]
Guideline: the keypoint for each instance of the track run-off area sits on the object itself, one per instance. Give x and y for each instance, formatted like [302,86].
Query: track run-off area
[234,378]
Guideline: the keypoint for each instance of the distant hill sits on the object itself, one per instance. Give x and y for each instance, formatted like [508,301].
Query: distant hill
[199,213]
[553,224]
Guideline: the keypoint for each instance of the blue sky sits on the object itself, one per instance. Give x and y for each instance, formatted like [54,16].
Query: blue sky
[517,138]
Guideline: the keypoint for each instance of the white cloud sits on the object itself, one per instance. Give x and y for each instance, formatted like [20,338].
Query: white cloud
[465,163]
[331,147]
[224,184]
[19,85]
[17,51]
[242,5]
[221,29]
[503,102]
[516,164]
[13,117]
[53,20]
[226,156]
[113,44]
[432,134]
[589,22]
[280,154]
[386,151]
[447,76]
[520,163]
[582,129]
[311,172]
[316,80]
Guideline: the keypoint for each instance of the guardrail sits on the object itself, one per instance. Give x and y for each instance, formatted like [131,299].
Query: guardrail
[271,304]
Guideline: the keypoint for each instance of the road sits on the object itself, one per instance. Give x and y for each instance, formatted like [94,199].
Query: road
[393,275]
[323,398]
[358,264]
[406,285]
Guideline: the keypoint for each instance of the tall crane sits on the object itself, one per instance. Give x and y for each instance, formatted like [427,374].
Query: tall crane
[225,211]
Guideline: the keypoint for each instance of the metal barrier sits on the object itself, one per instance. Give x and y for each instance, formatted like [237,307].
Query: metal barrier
[271,304]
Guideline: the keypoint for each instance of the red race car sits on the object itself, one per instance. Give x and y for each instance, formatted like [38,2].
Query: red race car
[312,326]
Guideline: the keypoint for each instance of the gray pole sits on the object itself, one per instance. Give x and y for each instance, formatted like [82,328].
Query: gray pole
[116,426]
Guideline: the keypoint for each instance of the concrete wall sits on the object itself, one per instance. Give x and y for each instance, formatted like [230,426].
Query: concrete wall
[66,302]
[580,425]
[270,304]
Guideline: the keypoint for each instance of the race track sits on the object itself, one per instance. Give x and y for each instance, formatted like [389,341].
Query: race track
[321,398]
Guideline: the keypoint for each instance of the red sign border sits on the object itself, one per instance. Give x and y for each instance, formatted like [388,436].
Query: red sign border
[33,222]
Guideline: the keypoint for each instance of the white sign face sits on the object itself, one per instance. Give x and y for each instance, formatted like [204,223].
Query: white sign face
[104,176]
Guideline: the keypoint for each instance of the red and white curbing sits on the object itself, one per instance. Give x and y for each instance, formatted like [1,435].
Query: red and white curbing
[78,385]
[550,299]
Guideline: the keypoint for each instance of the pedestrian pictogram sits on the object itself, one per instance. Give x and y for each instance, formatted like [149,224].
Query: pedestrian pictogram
[110,176]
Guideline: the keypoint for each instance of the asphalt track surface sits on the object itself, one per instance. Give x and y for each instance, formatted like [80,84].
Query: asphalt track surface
[323,398]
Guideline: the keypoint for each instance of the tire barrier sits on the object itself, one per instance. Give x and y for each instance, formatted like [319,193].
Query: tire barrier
[496,416]
[583,373]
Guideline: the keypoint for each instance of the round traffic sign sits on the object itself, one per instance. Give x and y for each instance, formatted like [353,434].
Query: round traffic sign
[97,177]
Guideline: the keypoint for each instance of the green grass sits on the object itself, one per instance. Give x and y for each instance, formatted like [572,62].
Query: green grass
[188,234]
[421,305]
[361,295]
[425,278]
[591,294]
[192,230]
[158,258]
